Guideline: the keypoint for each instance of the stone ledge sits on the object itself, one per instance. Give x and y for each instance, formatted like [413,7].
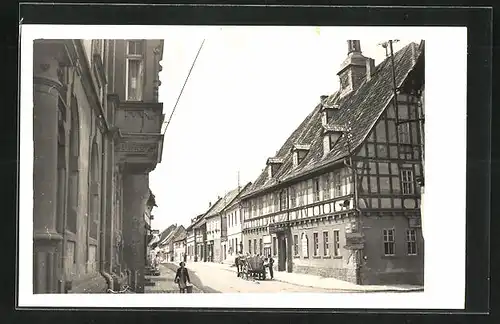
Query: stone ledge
[94,284]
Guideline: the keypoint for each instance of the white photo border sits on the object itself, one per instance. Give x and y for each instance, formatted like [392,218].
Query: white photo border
[446,73]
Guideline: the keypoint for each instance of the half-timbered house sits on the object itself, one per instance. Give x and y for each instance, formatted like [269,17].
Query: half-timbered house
[340,197]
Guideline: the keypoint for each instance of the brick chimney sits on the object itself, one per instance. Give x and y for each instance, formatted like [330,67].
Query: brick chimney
[354,68]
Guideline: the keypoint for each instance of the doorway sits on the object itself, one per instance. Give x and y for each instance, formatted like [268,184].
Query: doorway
[281,252]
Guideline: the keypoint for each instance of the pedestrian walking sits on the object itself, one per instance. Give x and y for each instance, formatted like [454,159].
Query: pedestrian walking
[182,278]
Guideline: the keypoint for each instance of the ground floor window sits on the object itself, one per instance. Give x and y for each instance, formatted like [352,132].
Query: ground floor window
[250,246]
[295,245]
[389,243]
[411,242]
[336,242]
[255,246]
[326,248]
[316,244]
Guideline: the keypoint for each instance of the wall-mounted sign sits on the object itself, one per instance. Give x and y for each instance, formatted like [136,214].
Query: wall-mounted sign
[267,239]
[354,238]
[132,147]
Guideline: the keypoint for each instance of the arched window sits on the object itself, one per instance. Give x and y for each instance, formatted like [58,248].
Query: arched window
[305,245]
[74,154]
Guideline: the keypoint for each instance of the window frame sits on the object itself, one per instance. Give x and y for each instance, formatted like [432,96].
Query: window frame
[411,241]
[387,242]
[407,181]
[133,57]
[316,244]
[336,242]
[316,186]
[296,251]
[326,244]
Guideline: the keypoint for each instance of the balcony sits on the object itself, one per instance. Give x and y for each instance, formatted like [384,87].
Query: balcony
[140,143]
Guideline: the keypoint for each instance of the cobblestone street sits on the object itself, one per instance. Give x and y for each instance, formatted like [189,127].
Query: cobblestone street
[221,280]
[164,283]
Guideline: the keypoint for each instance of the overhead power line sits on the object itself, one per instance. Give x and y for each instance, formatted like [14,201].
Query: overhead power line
[183,86]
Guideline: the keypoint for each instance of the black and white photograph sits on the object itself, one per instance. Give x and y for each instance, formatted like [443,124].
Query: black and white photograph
[266,166]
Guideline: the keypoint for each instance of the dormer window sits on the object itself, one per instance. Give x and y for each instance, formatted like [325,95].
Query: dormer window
[331,135]
[327,110]
[299,152]
[273,164]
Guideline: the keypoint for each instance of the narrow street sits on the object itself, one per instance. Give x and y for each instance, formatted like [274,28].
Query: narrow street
[211,280]
[164,283]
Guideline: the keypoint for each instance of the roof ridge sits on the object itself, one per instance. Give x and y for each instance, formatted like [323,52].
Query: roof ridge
[362,108]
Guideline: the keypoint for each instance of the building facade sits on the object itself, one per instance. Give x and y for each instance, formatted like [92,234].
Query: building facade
[216,240]
[180,248]
[233,220]
[97,136]
[340,198]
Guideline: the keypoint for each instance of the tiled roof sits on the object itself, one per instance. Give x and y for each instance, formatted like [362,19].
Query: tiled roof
[166,232]
[178,231]
[358,110]
[243,191]
[223,202]
[181,235]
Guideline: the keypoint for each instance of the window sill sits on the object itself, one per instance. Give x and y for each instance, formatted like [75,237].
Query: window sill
[316,257]
[389,256]
[327,256]
[338,257]
[296,256]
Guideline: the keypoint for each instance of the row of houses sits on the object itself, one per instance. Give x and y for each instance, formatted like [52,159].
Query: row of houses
[96,127]
[341,197]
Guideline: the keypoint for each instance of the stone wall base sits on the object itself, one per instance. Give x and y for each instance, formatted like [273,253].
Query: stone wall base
[344,274]
[93,284]
[393,278]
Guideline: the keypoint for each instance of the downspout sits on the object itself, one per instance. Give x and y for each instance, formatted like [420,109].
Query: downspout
[102,257]
[67,285]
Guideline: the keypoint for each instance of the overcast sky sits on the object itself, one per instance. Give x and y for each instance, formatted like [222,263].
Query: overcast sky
[249,89]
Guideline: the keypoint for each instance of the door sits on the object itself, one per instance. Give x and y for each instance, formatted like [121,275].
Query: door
[281,252]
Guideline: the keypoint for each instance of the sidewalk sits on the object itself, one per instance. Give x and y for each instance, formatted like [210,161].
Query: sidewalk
[322,282]
[164,283]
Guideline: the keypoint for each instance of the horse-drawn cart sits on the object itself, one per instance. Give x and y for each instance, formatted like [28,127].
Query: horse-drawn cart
[253,267]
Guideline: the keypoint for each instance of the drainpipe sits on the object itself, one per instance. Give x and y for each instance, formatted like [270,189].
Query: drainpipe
[104,216]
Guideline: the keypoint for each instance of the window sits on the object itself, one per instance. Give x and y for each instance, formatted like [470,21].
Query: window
[261,246]
[255,246]
[338,184]
[295,245]
[301,194]
[236,245]
[293,197]
[316,189]
[411,242]
[326,186]
[326,248]
[275,246]
[404,133]
[407,181]
[283,199]
[250,246]
[389,244]
[305,246]
[336,242]
[135,70]
[316,244]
